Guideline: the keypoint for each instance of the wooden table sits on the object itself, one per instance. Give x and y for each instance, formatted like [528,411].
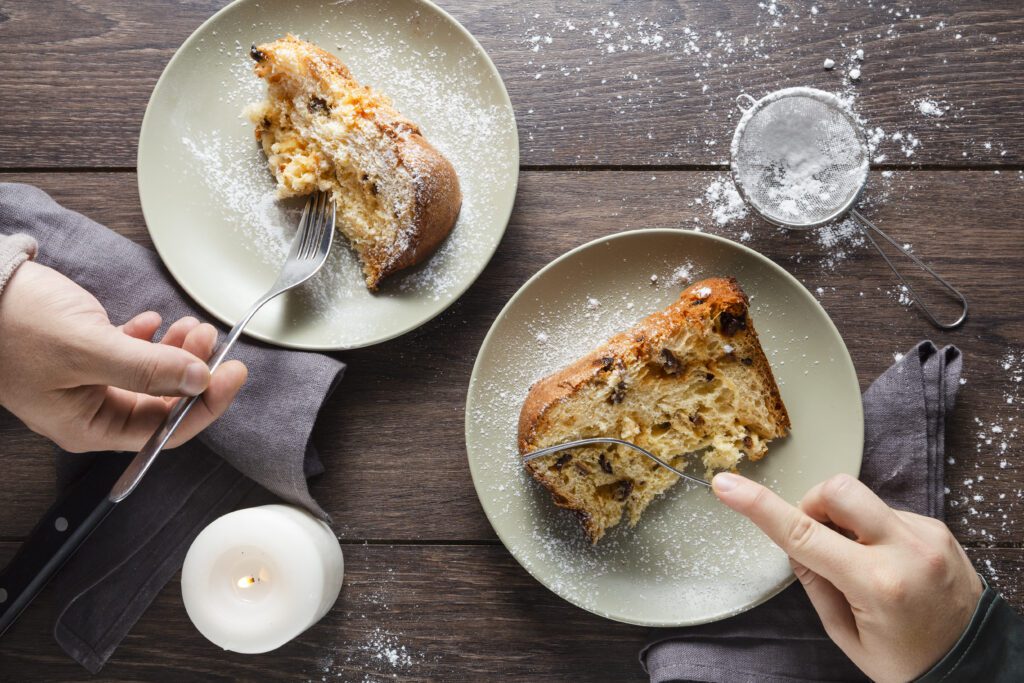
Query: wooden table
[612,139]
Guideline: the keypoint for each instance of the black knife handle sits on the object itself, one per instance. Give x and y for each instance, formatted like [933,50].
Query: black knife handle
[17,600]
[55,538]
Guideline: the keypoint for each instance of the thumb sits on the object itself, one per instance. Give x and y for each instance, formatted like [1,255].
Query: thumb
[119,360]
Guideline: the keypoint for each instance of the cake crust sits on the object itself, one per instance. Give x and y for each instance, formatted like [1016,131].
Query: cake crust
[717,304]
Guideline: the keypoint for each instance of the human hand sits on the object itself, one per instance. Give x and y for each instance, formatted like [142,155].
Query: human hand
[894,590]
[71,376]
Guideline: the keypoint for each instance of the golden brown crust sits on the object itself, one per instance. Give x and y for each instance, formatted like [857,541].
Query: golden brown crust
[720,300]
[438,197]
[437,206]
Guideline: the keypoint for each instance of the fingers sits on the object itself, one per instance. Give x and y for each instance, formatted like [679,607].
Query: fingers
[225,384]
[850,505]
[810,543]
[126,420]
[143,326]
[114,358]
[200,341]
[830,604]
[179,329]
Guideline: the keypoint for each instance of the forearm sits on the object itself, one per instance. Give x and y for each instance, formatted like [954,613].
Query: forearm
[14,250]
[990,649]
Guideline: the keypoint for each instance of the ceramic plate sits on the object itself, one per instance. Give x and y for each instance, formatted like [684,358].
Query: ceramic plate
[207,194]
[690,560]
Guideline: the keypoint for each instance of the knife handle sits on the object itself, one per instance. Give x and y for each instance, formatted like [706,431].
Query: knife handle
[55,539]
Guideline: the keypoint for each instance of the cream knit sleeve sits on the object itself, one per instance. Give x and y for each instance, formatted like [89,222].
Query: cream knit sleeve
[14,250]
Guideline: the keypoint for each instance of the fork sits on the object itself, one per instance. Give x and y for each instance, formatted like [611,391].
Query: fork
[308,253]
[540,453]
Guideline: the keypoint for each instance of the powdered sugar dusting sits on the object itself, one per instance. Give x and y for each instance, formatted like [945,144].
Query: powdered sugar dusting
[681,276]
[441,87]
[984,505]
[687,552]
[680,542]
[725,201]
[928,107]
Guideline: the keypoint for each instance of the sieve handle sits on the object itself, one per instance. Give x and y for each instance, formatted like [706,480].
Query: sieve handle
[872,228]
[745,102]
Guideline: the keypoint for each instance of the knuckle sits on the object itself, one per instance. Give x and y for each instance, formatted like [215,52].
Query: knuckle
[932,542]
[935,562]
[835,485]
[801,532]
[950,543]
[145,372]
[890,587]
[938,528]
[803,574]
[760,499]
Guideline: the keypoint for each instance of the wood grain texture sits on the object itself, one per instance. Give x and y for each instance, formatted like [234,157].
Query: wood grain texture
[625,111]
[405,398]
[452,613]
[461,613]
[75,78]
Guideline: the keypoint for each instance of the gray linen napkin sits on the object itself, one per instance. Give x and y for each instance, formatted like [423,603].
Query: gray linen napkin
[783,641]
[264,436]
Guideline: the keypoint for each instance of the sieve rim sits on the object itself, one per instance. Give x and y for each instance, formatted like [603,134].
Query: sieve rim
[828,98]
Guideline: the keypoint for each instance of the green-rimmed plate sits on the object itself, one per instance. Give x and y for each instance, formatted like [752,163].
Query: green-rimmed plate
[207,194]
[690,560]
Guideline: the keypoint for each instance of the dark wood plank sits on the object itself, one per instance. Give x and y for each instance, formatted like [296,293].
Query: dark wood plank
[450,612]
[75,77]
[961,222]
[77,74]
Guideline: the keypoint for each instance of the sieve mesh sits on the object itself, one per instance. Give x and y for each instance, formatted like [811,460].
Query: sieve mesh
[798,157]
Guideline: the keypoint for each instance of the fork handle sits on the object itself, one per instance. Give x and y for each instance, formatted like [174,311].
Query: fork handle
[141,463]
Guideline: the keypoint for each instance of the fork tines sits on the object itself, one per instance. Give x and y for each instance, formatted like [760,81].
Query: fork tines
[316,219]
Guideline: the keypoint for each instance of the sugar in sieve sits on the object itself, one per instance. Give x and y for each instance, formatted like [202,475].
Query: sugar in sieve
[800,160]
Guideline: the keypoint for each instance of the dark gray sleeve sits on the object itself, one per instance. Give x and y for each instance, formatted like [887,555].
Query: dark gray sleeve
[991,649]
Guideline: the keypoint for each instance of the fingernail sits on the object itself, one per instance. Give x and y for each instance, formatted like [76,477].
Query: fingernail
[725,482]
[197,376]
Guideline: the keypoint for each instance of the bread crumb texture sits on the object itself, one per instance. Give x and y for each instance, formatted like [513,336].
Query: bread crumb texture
[692,377]
[397,197]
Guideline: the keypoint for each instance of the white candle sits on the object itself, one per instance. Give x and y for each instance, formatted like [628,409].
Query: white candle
[256,578]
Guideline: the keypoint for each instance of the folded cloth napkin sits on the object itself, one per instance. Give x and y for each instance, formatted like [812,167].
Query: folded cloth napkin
[783,641]
[265,436]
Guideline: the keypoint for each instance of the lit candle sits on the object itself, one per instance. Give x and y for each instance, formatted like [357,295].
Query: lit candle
[255,579]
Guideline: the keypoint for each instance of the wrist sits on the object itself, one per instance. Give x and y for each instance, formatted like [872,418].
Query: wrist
[954,657]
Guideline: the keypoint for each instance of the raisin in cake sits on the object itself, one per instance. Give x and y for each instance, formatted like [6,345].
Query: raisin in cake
[692,376]
[397,196]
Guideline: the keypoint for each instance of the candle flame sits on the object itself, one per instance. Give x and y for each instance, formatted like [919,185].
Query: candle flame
[247,581]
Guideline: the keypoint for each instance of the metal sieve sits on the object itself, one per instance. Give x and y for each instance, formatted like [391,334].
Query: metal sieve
[800,160]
